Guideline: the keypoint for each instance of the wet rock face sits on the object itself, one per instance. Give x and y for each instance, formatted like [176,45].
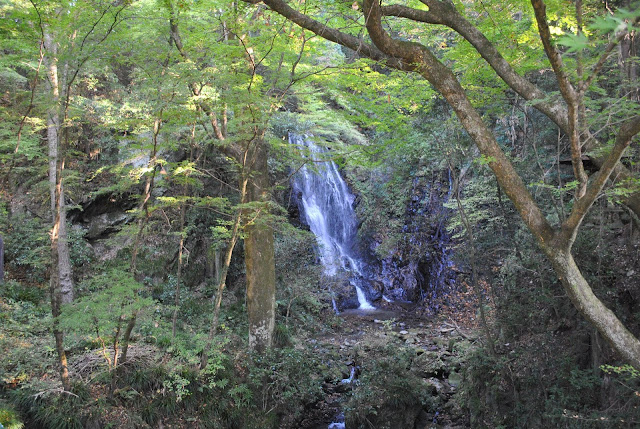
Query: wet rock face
[296,218]
[376,289]
[419,269]
[341,290]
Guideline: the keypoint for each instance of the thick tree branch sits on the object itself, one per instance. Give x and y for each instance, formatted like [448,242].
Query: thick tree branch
[400,11]
[446,14]
[540,11]
[446,83]
[354,43]
[570,227]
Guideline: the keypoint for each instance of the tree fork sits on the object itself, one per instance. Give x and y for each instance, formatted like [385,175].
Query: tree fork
[556,245]
[416,57]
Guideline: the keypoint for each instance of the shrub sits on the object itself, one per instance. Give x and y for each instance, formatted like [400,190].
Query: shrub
[9,418]
[387,394]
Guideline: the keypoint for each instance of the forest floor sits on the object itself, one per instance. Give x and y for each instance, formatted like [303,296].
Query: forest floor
[441,344]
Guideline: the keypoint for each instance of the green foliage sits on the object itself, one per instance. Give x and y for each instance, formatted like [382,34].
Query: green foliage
[623,189]
[626,370]
[53,409]
[480,202]
[9,419]
[81,253]
[24,344]
[282,381]
[27,247]
[17,291]
[387,392]
[103,314]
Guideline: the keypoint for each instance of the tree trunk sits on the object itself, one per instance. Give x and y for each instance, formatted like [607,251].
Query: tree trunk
[174,322]
[583,298]
[628,62]
[126,338]
[259,254]
[64,257]
[65,277]
[56,166]
[221,279]
[54,287]
[1,260]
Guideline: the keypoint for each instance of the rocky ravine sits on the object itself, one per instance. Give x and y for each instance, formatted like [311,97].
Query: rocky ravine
[434,352]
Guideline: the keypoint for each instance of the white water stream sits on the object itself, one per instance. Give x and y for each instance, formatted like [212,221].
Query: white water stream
[328,208]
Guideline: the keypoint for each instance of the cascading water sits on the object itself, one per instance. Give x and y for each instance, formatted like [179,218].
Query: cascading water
[327,205]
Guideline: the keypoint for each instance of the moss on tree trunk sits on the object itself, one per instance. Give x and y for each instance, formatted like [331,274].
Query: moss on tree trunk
[259,253]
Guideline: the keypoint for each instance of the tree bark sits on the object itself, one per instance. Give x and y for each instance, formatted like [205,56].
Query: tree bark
[259,253]
[56,167]
[583,298]
[54,287]
[64,261]
[183,209]
[58,211]
[1,260]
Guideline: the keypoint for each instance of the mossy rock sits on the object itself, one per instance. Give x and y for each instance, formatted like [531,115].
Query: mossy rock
[430,364]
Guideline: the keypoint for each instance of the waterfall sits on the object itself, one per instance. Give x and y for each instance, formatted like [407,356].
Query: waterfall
[327,204]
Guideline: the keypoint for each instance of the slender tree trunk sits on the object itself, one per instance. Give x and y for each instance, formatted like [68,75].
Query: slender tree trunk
[628,61]
[56,167]
[126,338]
[113,368]
[1,260]
[179,273]
[58,211]
[259,255]
[217,267]
[221,277]
[55,293]
[64,261]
